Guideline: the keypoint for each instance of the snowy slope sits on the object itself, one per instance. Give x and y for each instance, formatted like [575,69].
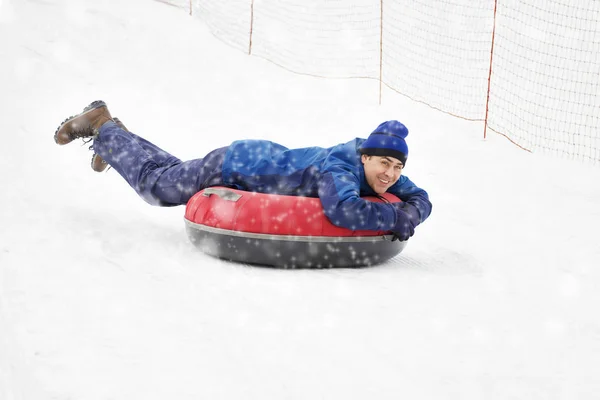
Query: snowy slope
[103,297]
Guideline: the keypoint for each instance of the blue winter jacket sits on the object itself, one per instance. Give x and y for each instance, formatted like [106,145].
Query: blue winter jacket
[336,175]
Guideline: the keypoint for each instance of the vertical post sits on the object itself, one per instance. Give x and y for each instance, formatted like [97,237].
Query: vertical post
[251,26]
[487,101]
[190,8]
[380,48]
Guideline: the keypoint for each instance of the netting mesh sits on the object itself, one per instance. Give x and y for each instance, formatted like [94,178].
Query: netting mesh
[545,63]
[326,37]
[438,52]
[228,20]
[546,74]
[183,4]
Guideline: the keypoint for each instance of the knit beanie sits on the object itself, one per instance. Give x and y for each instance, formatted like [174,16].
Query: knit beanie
[387,140]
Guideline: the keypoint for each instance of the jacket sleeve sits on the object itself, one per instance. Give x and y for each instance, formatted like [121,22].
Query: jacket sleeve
[339,191]
[407,191]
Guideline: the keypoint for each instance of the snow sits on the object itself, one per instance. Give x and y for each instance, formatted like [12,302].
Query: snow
[103,296]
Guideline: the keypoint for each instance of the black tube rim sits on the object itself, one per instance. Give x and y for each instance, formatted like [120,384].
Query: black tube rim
[293,238]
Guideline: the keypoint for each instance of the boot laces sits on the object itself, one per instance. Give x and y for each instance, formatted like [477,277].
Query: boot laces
[82,133]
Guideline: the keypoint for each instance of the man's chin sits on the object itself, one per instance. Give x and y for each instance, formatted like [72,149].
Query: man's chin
[379,188]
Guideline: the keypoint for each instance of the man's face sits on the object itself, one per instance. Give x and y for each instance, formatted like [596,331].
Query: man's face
[381,172]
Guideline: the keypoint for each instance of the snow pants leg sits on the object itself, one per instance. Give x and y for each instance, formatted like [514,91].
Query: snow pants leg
[157,176]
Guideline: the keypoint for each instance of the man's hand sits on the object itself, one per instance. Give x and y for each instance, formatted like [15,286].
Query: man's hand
[407,218]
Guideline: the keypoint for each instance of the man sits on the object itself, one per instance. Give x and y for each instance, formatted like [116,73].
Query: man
[338,175]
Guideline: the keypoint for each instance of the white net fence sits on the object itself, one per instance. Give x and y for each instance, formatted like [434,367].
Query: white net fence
[545,91]
[438,52]
[544,57]
[319,37]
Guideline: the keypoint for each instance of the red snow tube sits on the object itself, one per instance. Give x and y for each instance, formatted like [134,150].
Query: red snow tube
[281,231]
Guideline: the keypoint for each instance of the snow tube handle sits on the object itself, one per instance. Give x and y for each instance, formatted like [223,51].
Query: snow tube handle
[222,193]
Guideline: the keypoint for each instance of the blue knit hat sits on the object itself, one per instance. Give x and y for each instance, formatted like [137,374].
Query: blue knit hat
[387,140]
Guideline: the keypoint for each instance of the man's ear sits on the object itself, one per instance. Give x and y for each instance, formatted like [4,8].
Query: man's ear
[364,158]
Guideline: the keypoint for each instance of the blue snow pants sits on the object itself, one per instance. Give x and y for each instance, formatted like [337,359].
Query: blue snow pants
[158,177]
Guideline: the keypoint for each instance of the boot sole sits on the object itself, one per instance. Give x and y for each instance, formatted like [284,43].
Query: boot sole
[92,106]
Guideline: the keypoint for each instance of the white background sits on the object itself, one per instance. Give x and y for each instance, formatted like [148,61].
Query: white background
[103,297]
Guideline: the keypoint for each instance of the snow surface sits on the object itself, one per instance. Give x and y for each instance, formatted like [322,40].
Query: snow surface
[103,297]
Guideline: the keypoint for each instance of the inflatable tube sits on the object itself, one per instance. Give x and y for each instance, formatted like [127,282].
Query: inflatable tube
[281,231]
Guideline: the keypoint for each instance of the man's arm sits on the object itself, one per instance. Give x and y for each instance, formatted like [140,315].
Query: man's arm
[410,193]
[339,191]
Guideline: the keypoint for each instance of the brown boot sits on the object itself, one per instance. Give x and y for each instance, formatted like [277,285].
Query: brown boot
[83,125]
[98,164]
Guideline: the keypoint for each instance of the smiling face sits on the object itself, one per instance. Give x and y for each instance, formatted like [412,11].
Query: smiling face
[381,172]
